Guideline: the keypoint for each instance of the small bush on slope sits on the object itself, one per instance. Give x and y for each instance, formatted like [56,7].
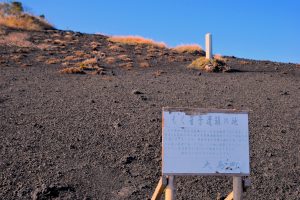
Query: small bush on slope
[136,40]
[213,65]
[12,15]
[190,48]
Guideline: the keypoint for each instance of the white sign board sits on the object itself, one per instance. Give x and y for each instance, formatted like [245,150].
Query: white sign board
[205,142]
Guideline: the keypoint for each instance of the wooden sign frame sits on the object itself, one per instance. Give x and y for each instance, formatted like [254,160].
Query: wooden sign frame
[167,182]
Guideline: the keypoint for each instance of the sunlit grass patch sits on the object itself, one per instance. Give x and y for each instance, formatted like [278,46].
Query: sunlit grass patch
[127,66]
[124,57]
[243,62]
[72,70]
[71,58]
[144,64]
[116,48]
[189,48]
[220,57]
[110,60]
[158,73]
[209,65]
[79,53]
[53,61]
[16,39]
[133,40]
[90,65]
[26,22]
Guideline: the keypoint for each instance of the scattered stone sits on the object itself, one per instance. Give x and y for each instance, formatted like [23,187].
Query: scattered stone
[144,98]
[144,186]
[136,92]
[127,159]
[2,100]
[117,124]
[269,154]
[36,125]
[125,192]
[154,120]
[22,193]
[283,131]
[51,192]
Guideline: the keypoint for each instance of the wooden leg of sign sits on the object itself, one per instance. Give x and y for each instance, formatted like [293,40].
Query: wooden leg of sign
[160,188]
[170,192]
[237,188]
[230,196]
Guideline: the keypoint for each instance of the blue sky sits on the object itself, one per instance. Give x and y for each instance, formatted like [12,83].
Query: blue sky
[258,29]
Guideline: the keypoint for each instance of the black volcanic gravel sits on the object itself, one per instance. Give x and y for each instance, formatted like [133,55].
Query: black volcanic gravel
[72,136]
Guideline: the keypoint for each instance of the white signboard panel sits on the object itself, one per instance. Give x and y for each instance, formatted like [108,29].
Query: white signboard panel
[205,142]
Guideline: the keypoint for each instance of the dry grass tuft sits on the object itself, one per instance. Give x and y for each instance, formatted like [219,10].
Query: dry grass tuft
[144,64]
[116,48]
[110,60]
[59,42]
[127,66]
[220,57]
[69,37]
[12,15]
[133,40]
[158,73]
[79,53]
[16,39]
[25,21]
[72,70]
[95,45]
[213,65]
[90,64]
[92,61]
[243,62]
[71,58]
[124,57]
[107,78]
[53,61]
[44,46]
[40,58]
[189,48]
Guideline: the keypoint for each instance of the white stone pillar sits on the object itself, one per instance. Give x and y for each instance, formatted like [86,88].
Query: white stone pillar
[208,46]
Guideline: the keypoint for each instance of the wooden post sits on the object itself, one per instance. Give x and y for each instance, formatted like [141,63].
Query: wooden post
[230,196]
[237,188]
[160,188]
[208,46]
[170,192]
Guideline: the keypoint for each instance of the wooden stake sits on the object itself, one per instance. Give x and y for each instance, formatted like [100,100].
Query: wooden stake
[230,196]
[170,192]
[237,188]
[208,46]
[160,188]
